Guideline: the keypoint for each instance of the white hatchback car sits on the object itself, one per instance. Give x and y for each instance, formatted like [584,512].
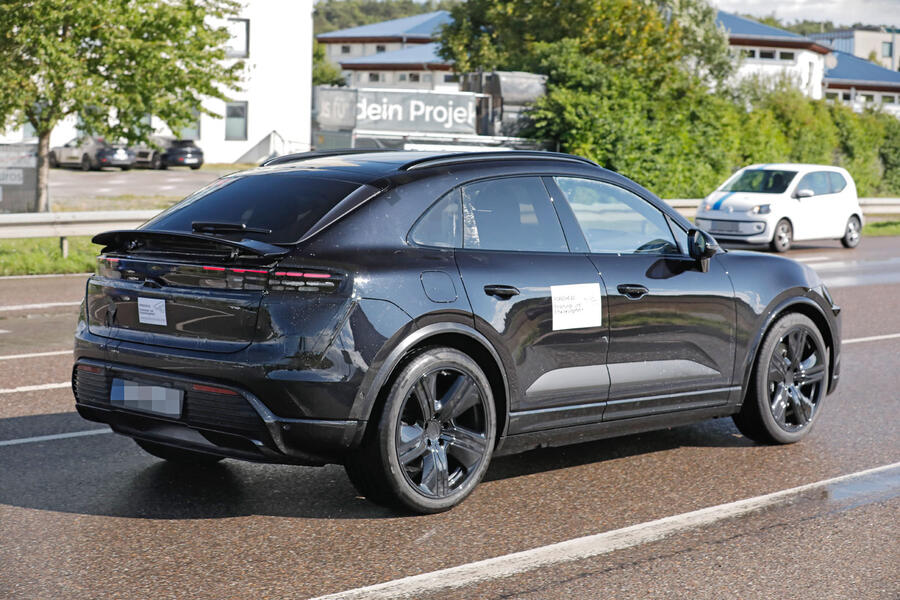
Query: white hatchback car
[778,203]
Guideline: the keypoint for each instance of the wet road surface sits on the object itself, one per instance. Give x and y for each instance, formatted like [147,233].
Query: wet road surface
[95,517]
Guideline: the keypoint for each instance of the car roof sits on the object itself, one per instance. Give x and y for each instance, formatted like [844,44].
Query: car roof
[795,167]
[366,166]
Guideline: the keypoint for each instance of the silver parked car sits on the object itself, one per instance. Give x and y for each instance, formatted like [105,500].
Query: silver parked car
[91,153]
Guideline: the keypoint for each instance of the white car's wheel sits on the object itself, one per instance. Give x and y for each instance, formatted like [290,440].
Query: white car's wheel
[783,237]
[852,233]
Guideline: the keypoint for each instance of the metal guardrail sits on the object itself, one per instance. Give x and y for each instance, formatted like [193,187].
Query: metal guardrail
[66,224]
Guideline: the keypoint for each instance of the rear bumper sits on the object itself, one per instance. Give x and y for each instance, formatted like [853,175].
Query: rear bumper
[236,425]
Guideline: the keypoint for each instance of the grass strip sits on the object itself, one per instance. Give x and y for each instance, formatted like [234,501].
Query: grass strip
[40,256]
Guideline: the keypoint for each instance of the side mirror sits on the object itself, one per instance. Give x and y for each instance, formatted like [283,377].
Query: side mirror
[702,247]
[804,193]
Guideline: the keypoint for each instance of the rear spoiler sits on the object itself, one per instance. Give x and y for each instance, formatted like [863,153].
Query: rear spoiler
[129,239]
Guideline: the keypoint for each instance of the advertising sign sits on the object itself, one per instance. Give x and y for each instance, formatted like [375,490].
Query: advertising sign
[396,110]
[18,178]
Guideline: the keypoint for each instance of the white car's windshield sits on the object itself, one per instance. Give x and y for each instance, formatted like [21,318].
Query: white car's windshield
[761,181]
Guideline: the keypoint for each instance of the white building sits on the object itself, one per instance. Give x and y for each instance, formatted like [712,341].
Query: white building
[271,113]
[774,53]
[399,53]
[865,42]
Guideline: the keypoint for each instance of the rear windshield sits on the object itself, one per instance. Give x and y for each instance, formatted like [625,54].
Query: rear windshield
[761,181]
[183,143]
[287,203]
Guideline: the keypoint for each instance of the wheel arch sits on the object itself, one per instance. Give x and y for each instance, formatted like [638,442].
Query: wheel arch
[806,307]
[449,334]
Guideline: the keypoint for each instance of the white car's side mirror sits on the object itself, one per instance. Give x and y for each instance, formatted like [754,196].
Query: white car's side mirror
[804,193]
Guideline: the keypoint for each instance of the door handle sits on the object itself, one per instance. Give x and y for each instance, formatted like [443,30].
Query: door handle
[632,290]
[504,292]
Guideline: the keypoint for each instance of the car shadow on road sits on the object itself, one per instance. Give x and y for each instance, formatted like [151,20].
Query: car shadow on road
[108,475]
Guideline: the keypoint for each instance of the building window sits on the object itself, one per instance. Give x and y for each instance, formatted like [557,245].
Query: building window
[236,121]
[846,96]
[192,131]
[887,49]
[401,77]
[831,95]
[767,54]
[867,97]
[451,78]
[345,49]
[374,77]
[888,99]
[427,78]
[379,49]
[239,44]
[414,77]
[749,53]
[786,55]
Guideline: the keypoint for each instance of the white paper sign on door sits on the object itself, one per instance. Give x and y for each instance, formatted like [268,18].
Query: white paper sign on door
[577,306]
[152,311]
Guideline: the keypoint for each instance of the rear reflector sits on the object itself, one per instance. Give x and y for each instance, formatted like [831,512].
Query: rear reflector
[91,369]
[210,389]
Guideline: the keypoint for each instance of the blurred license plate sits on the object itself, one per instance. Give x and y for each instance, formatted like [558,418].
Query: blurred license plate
[190,161]
[726,226]
[154,399]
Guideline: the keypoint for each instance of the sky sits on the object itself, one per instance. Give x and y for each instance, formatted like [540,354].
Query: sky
[841,12]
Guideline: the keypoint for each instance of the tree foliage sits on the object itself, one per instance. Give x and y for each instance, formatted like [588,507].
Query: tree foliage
[111,63]
[324,72]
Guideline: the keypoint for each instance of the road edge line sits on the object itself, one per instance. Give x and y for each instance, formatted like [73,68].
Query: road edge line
[579,548]
[55,436]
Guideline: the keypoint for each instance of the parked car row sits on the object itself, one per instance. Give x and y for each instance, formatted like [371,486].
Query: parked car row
[91,153]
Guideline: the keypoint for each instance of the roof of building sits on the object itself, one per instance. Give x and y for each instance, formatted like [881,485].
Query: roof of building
[852,69]
[743,27]
[420,54]
[425,26]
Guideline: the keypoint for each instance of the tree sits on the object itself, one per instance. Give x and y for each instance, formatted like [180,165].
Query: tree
[324,71]
[111,63]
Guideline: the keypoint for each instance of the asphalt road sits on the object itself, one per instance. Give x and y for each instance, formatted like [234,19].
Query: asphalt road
[94,517]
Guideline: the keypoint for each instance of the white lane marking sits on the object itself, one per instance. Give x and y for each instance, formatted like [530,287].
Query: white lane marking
[46,276]
[2,331]
[56,436]
[873,338]
[579,548]
[35,354]
[37,388]
[811,258]
[37,306]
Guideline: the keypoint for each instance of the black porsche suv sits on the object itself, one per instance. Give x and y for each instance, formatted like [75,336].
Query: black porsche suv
[410,315]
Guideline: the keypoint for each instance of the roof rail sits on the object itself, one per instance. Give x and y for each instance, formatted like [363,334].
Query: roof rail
[464,157]
[300,156]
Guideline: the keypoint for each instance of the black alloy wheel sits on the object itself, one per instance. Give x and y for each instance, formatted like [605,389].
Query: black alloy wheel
[852,233]
[435,437]
[179,456]
[789,383]
[783,236]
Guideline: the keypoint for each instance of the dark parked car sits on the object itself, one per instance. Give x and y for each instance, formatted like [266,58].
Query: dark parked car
[411,315]
[167,152]
[91,153]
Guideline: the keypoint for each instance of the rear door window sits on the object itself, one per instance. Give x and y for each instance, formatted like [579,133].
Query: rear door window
[513,213]
[286,203]
[441,225]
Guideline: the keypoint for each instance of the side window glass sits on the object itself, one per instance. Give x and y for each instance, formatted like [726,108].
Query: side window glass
[514,213]
[615,220]
[817,181]
[441,225]
[838,183]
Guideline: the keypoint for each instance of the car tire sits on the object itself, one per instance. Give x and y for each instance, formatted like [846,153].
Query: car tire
[156,162]
[126,168]
[434,437]
[788,384]
[852,233]
[177,455]
[195,167]
[86,163]
[51,160]
[783,236]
